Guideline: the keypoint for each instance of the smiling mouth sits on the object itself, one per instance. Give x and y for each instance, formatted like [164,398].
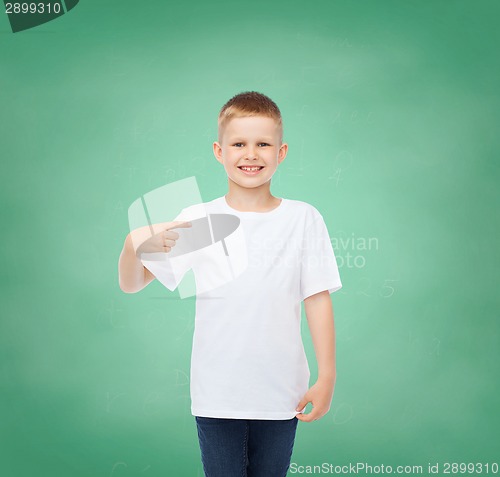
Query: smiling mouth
[251,169]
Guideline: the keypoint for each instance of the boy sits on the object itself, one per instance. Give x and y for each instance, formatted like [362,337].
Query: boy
[249,373]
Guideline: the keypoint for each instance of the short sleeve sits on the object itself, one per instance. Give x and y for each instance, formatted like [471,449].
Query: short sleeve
[168,271]
[318,269]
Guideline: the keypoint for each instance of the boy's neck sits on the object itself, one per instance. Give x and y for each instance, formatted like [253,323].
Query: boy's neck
[252,200]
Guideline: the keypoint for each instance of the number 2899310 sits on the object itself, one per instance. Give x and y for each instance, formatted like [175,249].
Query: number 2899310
[32,7]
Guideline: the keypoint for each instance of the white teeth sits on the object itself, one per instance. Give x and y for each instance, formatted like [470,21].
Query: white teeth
[251,168]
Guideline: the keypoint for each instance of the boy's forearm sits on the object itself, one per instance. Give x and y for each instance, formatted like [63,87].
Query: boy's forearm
[130,269]
[319,313]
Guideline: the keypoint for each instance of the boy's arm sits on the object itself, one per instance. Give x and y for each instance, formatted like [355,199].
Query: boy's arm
[319,313]
[133,275]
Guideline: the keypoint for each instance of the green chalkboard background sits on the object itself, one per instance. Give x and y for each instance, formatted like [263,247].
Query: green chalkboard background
[391,113]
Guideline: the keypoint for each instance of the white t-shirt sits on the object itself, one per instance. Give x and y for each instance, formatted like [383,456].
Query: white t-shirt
[248,359]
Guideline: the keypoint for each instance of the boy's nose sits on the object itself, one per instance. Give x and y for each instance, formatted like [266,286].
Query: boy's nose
[251,154]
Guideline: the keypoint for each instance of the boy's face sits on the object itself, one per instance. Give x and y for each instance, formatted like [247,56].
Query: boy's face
[250,141]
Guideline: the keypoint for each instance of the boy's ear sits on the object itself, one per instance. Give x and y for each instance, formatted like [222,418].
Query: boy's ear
[282,152]
[217,151]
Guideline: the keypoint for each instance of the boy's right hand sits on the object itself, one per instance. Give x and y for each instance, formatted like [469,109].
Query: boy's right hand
[162,240]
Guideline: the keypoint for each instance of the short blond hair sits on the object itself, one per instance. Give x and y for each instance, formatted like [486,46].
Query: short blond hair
[249,103]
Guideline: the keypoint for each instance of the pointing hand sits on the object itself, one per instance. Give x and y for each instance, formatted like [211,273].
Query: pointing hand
[162,240]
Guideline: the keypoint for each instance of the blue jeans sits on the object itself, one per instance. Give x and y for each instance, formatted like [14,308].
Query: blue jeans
[246,447]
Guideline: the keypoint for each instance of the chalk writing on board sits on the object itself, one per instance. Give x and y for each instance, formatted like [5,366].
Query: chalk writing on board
[111,399]
[342,413]
[341,162]
[181,377]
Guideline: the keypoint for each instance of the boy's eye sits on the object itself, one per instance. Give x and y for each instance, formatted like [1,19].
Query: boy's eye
[261,143]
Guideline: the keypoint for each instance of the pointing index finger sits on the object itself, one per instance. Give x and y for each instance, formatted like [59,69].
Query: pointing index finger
[178,224]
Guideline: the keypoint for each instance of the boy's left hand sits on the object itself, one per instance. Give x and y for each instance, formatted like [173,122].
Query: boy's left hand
[320,395]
